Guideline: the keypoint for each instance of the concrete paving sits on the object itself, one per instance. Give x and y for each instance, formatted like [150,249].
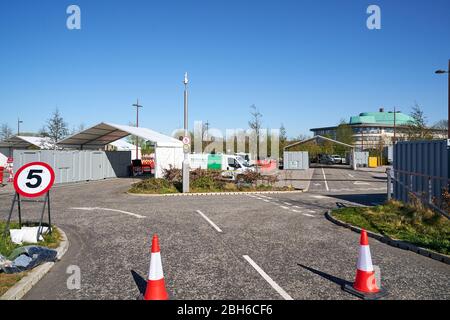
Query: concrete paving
[286,235]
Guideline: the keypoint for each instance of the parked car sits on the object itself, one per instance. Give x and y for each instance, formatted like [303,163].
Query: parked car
[326,159]
[337,158]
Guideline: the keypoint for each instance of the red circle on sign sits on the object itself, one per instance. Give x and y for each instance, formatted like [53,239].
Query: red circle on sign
[34,195]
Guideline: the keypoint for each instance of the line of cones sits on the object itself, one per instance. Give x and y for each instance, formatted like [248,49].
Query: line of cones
[365,285]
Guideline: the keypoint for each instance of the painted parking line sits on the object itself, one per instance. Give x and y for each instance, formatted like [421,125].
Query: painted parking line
[325,180]
[319,197]
[361,183]
[266,277]
[209,221]
[308,215]
[107,209]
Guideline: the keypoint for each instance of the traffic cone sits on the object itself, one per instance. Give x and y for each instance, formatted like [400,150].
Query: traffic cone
[365,285]
[11,172]
[156,289]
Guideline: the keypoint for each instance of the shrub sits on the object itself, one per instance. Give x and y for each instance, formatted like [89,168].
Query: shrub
[250,177]
[172,174]
[153,185]
[270,179]
[206,180]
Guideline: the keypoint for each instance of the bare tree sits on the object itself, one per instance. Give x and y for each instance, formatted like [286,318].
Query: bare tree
[5,131]
[283,139]
[56,127]
[417,129]
[441,125]
[255,124]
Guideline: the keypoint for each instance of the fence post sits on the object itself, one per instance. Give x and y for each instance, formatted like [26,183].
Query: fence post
[411,183]
[389,191]
[430,190]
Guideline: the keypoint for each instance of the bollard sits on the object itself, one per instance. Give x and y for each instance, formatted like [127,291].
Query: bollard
[1,174]
[389,184]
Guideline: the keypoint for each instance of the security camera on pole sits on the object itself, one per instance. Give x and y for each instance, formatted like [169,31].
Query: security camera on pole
[186,139]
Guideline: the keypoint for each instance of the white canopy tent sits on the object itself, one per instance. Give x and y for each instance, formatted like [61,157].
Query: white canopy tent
[168,150]
[7,146]
[25,142]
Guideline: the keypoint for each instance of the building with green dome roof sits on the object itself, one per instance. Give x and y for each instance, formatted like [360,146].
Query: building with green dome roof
[372,129]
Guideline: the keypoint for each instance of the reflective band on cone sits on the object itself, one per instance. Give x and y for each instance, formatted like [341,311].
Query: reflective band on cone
[156,289]
[365,276]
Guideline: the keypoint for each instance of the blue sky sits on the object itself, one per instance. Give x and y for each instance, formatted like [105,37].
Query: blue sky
[302,63]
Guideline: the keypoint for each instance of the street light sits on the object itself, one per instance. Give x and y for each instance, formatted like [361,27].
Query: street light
[18,125]
[448,72]
[137,105]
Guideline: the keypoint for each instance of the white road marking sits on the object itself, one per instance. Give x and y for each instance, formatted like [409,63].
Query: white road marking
[319,197]
[360,183]
[265,200]
[317,184]
[351,176]
[107,209]
[298,211]
[209,221]
[266,277]
[325,180]
[284,207]
[307,214]
[287,203]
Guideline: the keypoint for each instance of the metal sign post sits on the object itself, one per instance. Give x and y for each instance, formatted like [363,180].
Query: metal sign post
[18,200]
[186,139]
[31,181]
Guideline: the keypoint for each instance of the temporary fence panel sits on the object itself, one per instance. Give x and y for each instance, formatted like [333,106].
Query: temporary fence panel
[362,158]
[295,160]
[78,165]
[420,167]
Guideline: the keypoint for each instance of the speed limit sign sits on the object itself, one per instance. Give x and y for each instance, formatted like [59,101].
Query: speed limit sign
[34,179]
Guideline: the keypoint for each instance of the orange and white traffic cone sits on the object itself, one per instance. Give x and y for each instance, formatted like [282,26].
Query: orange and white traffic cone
[365,285]
[156,289]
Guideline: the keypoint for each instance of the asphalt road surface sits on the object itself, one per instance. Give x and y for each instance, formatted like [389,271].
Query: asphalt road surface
[253,246]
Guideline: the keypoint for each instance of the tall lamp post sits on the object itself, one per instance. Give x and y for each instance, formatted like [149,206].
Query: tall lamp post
[137,105]
[186,146]
[448,116]
[18,126]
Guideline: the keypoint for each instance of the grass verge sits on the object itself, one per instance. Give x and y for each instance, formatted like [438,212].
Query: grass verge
[162,186]
[7,246]
[419,226]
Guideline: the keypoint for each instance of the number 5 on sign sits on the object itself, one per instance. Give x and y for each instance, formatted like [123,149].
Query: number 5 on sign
[34,179]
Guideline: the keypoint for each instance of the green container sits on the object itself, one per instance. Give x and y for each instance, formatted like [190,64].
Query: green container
[214,162]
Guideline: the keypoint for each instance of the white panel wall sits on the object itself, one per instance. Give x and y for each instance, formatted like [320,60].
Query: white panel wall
[74,166]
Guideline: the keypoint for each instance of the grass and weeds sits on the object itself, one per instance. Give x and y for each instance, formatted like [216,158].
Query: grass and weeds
[7,246]
[411,223]
[9,280]
[206,181]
